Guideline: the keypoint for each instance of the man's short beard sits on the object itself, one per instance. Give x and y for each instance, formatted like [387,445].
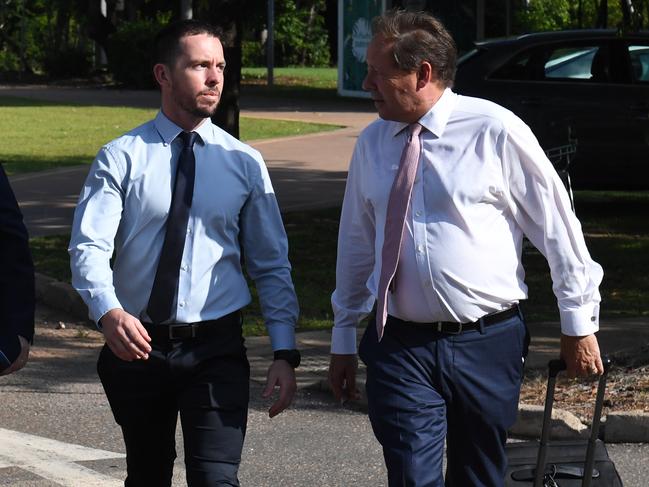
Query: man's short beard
[203,112]
[195,110]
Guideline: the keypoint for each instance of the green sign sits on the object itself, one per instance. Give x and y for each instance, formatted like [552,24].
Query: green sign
[354,35]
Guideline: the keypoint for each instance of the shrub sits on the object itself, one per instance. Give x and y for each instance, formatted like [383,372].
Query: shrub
[67,62]
[130,52]
[253,54]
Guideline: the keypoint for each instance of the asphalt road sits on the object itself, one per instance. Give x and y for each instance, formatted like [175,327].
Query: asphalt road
[57,402]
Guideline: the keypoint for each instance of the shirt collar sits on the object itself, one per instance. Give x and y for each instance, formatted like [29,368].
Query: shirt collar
[168,130]
[436,118]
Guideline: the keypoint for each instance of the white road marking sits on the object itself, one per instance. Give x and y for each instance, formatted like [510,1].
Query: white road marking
[54,460]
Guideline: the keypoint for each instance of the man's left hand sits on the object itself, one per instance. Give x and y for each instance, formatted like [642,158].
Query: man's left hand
[282,375]
[581,355]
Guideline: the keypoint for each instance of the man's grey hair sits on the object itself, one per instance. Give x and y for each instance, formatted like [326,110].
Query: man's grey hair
[419,37]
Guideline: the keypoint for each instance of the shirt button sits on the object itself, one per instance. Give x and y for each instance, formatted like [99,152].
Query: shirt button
[189,231]
[420,249]
[184,267]
[418,213]
[181,304]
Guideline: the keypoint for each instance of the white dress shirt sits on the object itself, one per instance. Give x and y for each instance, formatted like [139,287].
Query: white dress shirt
[124,205]
[483,182]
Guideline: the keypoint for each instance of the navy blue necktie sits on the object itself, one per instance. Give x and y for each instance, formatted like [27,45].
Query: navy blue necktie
[165,284]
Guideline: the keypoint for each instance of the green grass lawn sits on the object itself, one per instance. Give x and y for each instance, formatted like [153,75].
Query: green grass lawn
[298,81]
[39,135]
[298,76]
[617,233]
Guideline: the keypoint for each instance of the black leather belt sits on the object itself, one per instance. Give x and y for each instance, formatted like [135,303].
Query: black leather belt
[457,328]
[188,331]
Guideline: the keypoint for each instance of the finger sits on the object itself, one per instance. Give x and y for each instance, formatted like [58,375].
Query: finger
[135,350]
[117,347]
[270,387]
[336,383]
[284,401]
[143,331]
[350,380]
[137,343]
[139,336]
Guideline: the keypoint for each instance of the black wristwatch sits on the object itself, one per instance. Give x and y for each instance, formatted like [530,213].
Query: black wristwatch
[291,356]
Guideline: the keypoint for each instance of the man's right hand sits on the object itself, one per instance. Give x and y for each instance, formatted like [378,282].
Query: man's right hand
[342,376]
[125,335]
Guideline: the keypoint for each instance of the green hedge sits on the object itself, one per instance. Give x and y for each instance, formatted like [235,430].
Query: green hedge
[130,53]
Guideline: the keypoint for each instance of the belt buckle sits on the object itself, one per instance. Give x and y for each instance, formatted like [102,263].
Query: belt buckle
[180,328]
[441,324]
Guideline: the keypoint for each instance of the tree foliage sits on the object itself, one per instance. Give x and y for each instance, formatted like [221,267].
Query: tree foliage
[542,15]
[300,30]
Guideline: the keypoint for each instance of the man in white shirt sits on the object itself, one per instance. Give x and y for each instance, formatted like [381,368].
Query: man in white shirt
[445,359]
[183,203]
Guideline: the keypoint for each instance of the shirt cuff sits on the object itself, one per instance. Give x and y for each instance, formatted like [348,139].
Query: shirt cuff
[343,340]
[282,337]
[581,321]
[101,305]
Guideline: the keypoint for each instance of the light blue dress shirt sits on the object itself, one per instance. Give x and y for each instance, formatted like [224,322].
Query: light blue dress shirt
[123,207]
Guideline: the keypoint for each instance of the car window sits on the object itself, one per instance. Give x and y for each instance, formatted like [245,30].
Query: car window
[570,62]
[639,56]
[558,62]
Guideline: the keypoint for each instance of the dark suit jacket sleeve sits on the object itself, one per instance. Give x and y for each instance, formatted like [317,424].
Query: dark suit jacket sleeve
[16,267]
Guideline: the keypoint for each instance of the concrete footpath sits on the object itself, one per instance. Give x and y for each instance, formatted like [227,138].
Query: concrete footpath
[307,172]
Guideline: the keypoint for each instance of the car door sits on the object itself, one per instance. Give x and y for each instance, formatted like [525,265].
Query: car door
[566,91]
[635,97]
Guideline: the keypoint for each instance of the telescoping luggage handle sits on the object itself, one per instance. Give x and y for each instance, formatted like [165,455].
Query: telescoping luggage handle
[554,367]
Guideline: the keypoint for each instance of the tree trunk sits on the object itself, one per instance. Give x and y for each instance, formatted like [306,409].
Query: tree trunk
[309,26]
[228,15]
[99,26]
[331,23]
[602,14]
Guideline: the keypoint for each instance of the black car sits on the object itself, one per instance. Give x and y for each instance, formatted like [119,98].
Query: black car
[584,93]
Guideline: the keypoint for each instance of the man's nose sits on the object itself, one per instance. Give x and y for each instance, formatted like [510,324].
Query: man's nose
[367,83]
[215,76]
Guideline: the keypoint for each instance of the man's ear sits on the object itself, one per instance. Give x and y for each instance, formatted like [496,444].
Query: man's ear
[425,74]
[161,73]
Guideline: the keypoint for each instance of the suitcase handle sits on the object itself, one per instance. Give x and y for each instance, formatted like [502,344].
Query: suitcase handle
[559,365]
[554,367]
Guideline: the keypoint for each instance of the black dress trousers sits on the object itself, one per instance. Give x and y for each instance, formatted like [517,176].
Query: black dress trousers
[206,379]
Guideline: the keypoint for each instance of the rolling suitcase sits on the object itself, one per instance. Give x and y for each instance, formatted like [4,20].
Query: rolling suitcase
[563,463]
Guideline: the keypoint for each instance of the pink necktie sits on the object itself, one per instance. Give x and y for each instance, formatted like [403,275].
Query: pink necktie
[395,221]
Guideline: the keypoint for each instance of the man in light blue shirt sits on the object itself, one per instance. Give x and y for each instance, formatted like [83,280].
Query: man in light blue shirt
[192,359]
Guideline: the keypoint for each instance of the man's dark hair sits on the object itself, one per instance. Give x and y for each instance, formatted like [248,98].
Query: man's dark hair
[419,37]
[167,41]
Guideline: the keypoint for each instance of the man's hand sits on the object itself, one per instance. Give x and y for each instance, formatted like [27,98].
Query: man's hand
[581,355]
[282,375]
[125,335]
[21,360]
[342,376]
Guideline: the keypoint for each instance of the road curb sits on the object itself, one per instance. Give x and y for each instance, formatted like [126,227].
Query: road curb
[616,427]
[60,295]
